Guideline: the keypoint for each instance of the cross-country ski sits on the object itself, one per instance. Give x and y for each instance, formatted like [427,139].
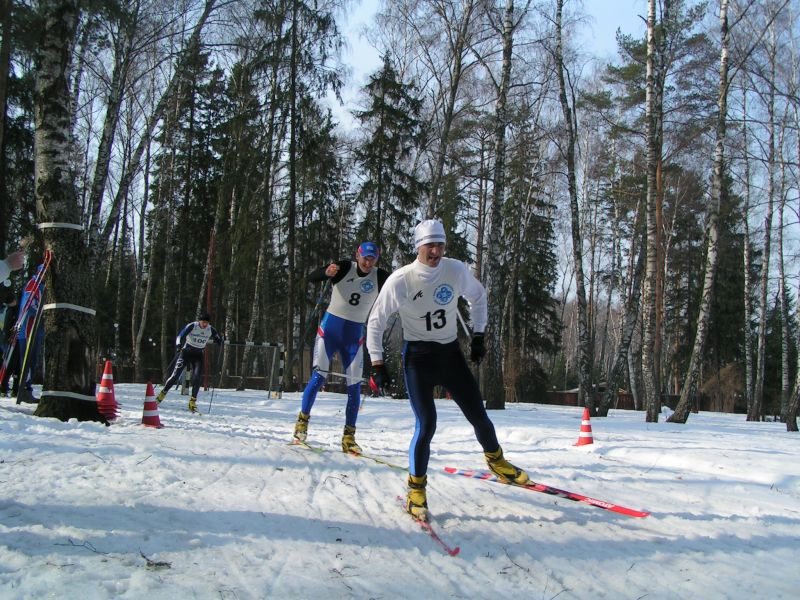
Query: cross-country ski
[548,489]
[427,527]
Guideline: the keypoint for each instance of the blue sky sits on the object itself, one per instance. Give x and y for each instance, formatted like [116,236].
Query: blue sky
[599,38]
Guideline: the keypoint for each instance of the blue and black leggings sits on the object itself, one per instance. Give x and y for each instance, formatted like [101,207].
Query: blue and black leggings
[426,365]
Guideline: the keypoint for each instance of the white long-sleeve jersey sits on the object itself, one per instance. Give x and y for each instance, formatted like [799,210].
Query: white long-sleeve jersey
[427,300]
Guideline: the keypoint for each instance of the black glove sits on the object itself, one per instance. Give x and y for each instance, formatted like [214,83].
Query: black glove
[380,375]
[477,349]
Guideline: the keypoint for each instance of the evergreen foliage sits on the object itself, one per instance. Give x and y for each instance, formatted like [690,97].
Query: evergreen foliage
[390,135]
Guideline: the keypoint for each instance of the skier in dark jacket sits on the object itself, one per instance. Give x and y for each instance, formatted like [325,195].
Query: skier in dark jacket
[356,284]
[190,343]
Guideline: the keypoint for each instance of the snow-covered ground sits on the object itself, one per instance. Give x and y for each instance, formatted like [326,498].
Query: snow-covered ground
[219,506]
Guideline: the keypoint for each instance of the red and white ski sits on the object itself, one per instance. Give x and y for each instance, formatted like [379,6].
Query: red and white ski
[428,528]
[548,489]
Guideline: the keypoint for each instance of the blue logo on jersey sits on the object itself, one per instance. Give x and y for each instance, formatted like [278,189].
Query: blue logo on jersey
[443,294]
[367,286]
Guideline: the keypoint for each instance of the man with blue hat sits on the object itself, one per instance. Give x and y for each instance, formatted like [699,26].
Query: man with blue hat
[356,284]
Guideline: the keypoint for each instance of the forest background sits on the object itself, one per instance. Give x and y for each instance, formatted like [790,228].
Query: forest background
[635,221]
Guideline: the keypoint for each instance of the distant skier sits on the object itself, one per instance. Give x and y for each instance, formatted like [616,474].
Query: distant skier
[355,287]
[190,343]
[426,294]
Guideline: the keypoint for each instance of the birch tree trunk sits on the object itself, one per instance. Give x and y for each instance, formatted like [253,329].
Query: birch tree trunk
[755,411]
[790,418]
[747,260]
[168,208]
[167,334]
[231,203]
[635,367]
[458,35]
[122,289]
[98,238]
[794,401]
[481,211]
[255,309]
[266,192]
[147,296]
[689,388]
[584,347]
[496,273]
[291,208]
[632,309]
[783,298]
[122,57]
[70,354]
[141,297]
[649,366]
[612,283]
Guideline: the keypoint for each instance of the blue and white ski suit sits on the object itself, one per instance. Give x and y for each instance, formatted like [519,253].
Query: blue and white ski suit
[342,330]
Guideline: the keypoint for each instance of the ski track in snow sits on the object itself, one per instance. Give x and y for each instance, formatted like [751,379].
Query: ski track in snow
[238,513]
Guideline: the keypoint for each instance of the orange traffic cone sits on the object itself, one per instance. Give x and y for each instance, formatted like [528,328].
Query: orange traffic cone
[150,412]
[106,401]
[585,435]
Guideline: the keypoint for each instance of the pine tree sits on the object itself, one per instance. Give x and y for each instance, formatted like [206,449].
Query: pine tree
[532,326]
[391,191]
[17,204]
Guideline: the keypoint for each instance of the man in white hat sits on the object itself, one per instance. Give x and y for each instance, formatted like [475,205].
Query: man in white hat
[426,293]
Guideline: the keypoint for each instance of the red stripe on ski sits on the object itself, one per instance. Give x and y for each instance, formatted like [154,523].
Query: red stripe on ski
[553,491]
[428,528]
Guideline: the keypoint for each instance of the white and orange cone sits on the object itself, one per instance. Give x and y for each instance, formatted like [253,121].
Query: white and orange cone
[106,401]
[585,435]
[150,412]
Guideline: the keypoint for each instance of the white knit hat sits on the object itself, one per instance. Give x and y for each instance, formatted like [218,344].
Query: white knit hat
[427,232]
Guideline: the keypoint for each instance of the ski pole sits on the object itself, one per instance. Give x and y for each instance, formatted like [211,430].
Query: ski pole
[30,344]
[297,351]
[23,311]
[34,330]
[342,375]
[469,335]
[219,376]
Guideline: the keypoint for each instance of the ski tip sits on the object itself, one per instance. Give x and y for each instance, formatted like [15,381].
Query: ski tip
[450,469]
[454,551]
